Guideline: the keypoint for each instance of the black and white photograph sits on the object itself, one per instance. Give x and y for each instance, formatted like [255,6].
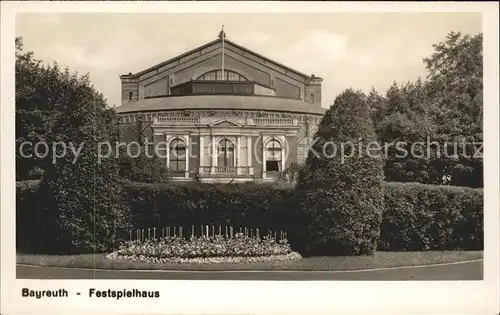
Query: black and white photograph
[298,149]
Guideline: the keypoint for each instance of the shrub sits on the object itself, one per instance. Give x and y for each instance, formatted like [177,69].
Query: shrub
[26,208]
[289,175]
[416,216]
[339,193]
[260,206]
[143,169]
[80,199]
[426,217]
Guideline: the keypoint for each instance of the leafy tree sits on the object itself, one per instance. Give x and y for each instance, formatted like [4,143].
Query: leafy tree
[446,107]
[80,207]
[32,114]
[455,87]
[339,195]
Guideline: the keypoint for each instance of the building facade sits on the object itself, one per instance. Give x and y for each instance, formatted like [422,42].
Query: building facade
[221,113]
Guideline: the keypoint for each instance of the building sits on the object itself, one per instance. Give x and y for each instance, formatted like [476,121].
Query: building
[222,113]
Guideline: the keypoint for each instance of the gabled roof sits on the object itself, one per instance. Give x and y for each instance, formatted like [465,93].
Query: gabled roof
[208,45]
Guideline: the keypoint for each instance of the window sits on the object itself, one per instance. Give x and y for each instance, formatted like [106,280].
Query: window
[225,153]
[273,156]
[177,156]
[216,75]
[130,95]
[312,98]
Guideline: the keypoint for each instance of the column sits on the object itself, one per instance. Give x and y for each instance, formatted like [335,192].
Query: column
[167,147]
[283,152]
[214,155]
[264,157]
[202,154]
[237,155]
[188,153]
[249,155]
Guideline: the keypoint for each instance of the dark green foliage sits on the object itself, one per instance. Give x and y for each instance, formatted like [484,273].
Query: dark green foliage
[251,205]
[33,112]
[79,205]
[143,169]
[340,198]
[446,107]
[27,229]
[416,216]
[426,217]
[290,174]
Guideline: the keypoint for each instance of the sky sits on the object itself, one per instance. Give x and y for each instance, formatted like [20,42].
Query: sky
[348,50]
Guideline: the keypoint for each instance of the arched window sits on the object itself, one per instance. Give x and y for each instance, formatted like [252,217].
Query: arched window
[177,156]
[225,153]
[216,75]
[273,156]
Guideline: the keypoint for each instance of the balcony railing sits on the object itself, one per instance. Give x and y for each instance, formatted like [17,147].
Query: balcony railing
[274,121]
[226,171]
[176,120]
[196,120]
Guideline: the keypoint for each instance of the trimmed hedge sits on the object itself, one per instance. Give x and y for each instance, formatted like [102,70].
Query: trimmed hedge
[261,206]
[428,217]
[416,217]
[143,169]
[27,229]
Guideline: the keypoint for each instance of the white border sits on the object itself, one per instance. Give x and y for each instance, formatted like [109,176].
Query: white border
[246,297]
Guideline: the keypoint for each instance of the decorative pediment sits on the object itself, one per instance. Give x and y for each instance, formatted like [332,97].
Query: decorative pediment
[226,122]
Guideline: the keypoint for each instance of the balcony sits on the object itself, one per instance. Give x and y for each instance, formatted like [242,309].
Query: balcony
[176,120]
[193,121]
[219,171]
[275,121]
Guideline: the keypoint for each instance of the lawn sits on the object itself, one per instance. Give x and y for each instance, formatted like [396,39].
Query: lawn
[379,260]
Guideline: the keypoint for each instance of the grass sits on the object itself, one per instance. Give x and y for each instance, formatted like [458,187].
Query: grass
[379,260]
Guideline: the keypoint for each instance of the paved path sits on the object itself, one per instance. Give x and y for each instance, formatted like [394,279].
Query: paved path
[471,270]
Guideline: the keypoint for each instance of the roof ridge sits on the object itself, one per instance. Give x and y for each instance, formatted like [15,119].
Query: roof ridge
[191,51]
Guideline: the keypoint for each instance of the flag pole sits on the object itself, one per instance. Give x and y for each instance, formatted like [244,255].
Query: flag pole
[222,37]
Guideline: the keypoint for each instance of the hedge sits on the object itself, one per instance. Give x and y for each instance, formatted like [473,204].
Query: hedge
[428,217]
[26,204]
[256,206]
[416,216]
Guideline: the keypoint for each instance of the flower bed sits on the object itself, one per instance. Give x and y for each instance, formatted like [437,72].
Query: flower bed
[216,249]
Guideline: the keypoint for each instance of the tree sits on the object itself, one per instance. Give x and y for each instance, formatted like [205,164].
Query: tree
[32,113]
[80,208]
[455,88]
[446,107]
[340,197]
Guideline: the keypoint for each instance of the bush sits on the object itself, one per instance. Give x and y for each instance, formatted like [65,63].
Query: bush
[80,208]
[26,208]
[143,169]
[289,175]
[253,205]
[416,216]
[426,217]
[339,193]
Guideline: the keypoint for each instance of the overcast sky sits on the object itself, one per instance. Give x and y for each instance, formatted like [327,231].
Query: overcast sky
[358,50]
